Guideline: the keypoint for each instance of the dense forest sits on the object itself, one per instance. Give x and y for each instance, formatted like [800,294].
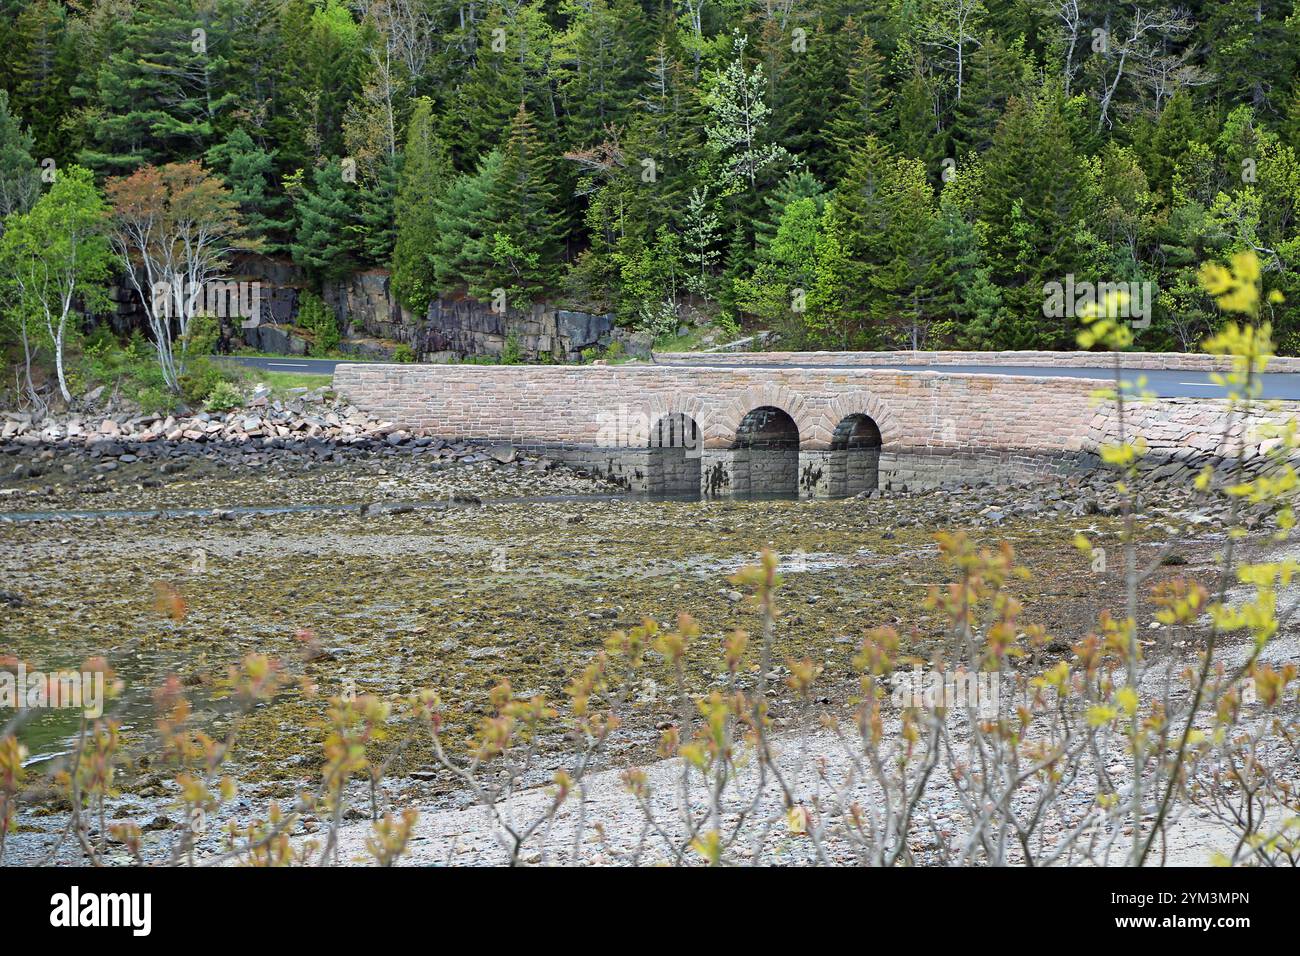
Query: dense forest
[852,173]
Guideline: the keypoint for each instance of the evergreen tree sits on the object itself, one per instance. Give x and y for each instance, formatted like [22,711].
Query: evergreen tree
[325,242]
[916,132]
[528,231]
[1253,52]
[599,60]
[426,174]
[248,173]
[41,67]
[796,185]
[319,74]
[512,57]
[996,72]
[463,227]
[665,130]
[1177,128]
[377,214]
[20,180]
[864,109]
[1035,201]
[159,96]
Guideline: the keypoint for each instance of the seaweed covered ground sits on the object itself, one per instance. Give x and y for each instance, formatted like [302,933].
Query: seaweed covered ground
[459,596]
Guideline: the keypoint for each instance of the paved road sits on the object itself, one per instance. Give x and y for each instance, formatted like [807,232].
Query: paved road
[287,363]
[1164,383]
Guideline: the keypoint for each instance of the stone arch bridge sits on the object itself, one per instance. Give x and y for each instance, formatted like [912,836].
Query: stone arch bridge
[721,430]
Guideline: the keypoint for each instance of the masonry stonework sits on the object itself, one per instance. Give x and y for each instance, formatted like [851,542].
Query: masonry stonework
[934,426]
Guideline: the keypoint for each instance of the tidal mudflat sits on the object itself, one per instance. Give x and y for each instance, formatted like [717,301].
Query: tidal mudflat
[464,589]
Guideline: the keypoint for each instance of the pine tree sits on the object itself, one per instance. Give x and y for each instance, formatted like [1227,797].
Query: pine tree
[795,185]
[1177,128]
[778,289]
[41,69]
[737,263]
[1253,52]
[159,96]
[599,60]
[909,286]
[1035,201]
[864,109]
[319,74]
[995,73]
[248,171]
[916,132]
[463,223]
[862,214]
[966,301]
[512,58]
[665,131]
[377,227]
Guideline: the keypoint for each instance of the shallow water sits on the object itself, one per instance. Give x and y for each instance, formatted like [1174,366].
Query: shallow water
[380,507]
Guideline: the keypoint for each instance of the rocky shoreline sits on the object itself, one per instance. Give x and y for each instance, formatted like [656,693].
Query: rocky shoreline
[273,451]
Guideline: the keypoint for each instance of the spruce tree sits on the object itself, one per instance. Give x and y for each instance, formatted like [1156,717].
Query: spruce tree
[864,109]
[795,185]
[42,65]
[1035,202]
[426,175]
[463,224]
[528,231]
[248,171]
[325,243]
[995,73]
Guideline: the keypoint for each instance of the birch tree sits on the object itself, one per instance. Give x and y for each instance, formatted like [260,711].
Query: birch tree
[173,228]
[57,259]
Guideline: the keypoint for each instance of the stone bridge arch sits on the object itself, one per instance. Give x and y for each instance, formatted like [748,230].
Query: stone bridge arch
[842,456]
[767,394]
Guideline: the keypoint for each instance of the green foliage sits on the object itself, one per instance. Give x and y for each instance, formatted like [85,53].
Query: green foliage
[426,175]
[404,354]
[538,147]
[327,223]
[159,94]
[513,352]
[318,319]
[20,181]
[222,397]
[247,171]
[54,258]
[524,204]
[130,369]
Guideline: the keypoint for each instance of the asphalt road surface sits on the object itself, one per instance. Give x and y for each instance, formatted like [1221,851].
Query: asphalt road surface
[1164,383]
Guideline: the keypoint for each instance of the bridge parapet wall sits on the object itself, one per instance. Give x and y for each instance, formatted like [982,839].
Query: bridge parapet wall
[615,406]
